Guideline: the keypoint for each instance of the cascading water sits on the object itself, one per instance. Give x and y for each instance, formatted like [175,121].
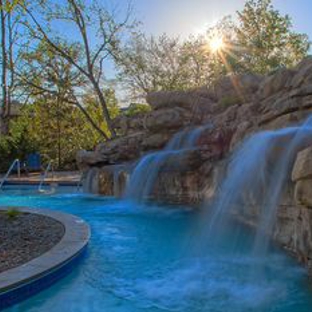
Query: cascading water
[144,176]
[252,190]
[90,184]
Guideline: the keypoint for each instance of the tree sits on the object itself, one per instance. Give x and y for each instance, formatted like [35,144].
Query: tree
[90,21]
[9,19]
[47,74]
[148,64]
[56,130]
[259,40]
[267,39]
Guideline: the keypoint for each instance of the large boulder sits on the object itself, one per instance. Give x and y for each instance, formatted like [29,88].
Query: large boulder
[167,119]
[302,169]
[303,75]
[184,99]
[237,88]
[121,149]
[127,125]
[182,160]
[85,159]
[276,82]
[154,141]
[244,129]
[302,176]
[106,180]
[214,143]
[289,103]
[303,194]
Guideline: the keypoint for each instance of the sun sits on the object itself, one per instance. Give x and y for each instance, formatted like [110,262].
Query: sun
[216,44]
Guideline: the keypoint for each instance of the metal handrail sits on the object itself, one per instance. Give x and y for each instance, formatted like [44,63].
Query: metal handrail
[80,182]
[45,174]
[17,163]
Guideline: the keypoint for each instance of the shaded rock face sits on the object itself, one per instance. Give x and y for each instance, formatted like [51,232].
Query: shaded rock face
[235,108]
[184,99]
[128,125]
[241,88]
[302,177]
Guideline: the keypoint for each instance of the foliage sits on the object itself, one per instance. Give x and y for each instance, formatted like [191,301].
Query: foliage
[258,40]
[62,79]
[91,22]
[267,39]
[135,109]
[148,64]
[54,129]
[17,145]
[12,213]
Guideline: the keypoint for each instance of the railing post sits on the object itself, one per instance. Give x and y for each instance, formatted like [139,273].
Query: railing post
[18,168]
[15,162]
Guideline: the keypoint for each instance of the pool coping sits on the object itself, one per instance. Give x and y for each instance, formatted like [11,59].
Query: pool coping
[19,280]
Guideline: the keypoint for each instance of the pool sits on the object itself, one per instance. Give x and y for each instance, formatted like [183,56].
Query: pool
[146,259]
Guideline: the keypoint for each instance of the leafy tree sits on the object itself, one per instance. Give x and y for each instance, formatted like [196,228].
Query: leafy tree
[56,130]
[259,40]
[267,39]
[18,143]
[10,18]
[91,21]
[148,64]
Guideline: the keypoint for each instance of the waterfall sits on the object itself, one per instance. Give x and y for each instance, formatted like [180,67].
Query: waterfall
[144,176]
[90,181]
[256,177]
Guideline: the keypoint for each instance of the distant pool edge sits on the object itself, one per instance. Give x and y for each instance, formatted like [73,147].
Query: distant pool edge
[24,281]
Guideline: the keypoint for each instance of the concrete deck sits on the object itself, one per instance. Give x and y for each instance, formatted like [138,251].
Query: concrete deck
[66,177]
[21,282]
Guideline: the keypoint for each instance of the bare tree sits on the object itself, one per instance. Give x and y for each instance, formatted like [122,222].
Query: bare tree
[47,74]
[90,21]
[10,54]
[4,68]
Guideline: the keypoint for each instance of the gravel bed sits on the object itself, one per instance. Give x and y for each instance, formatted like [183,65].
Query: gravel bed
[25,236]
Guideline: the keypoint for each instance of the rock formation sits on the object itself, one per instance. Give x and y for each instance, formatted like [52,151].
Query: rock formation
[235,108]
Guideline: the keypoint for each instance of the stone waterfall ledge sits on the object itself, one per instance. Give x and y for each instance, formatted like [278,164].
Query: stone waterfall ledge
[26,280]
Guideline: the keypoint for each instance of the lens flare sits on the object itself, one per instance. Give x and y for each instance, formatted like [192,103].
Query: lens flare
[216,44]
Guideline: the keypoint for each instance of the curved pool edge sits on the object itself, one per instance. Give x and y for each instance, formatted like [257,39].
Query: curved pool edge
[22,282]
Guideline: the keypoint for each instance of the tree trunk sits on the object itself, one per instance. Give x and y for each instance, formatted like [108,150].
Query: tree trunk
[104,107]
[4,100]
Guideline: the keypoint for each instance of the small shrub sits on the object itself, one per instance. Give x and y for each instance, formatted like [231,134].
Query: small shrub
[227,101]
[136,109]
[12,213]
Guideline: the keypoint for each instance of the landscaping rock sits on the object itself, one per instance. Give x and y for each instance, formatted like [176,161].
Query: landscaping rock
[25,237]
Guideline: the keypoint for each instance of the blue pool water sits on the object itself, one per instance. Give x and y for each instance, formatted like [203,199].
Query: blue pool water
[145,259]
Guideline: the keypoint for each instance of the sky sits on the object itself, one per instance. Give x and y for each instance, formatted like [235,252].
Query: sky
[183,17]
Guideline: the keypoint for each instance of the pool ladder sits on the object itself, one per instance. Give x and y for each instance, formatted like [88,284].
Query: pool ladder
[80,182]
[15,163]
[45,175]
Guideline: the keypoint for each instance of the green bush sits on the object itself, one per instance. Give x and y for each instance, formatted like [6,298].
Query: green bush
[17,144]
[12,213]
[136,109]
[227,101]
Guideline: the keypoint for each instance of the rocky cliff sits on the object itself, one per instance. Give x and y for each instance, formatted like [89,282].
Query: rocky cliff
[235,108]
